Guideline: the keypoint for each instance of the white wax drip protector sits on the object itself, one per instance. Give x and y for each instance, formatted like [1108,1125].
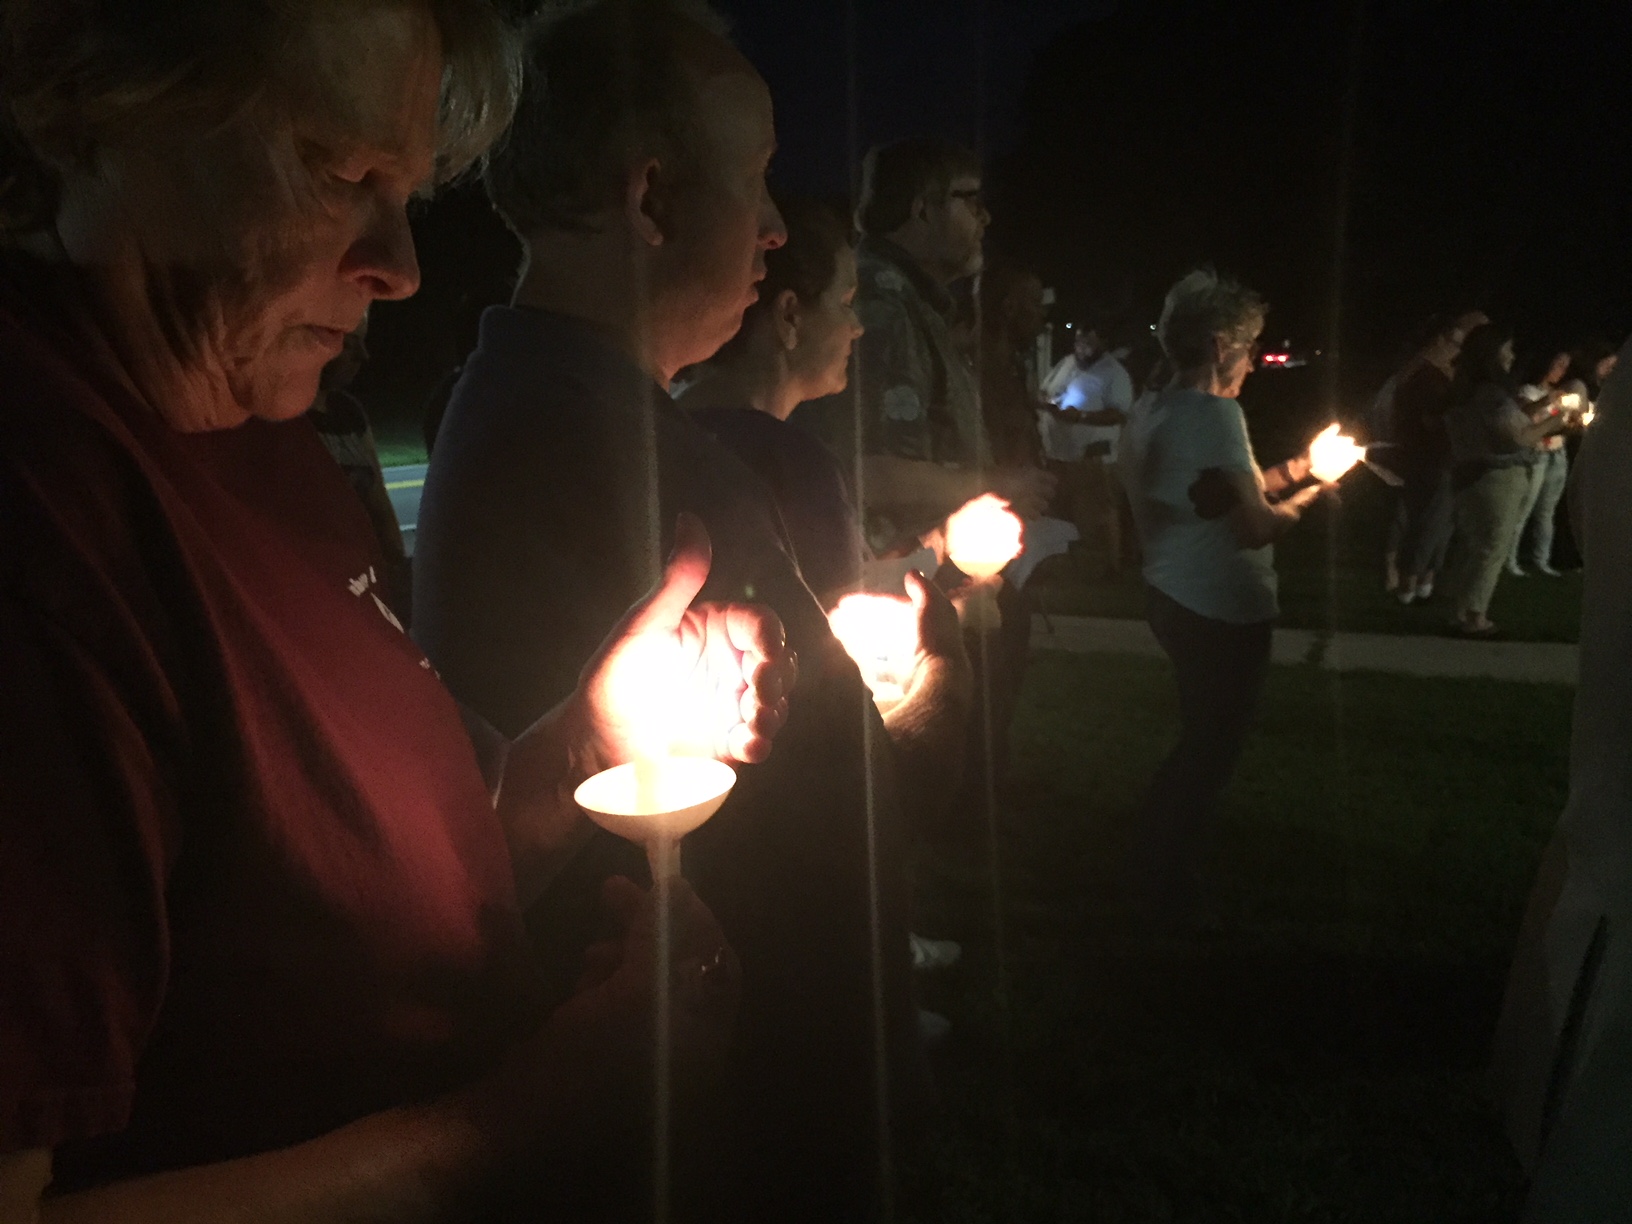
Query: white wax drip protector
[656,802]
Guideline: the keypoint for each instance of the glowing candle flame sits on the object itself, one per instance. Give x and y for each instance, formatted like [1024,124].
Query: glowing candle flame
[880,632]
[984,536]
[1332,454]
[1570,402]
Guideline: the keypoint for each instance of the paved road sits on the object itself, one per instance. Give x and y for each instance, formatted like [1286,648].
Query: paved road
[405,484]
[1530,662]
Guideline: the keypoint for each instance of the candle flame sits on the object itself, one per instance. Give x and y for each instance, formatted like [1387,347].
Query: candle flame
[1332,454]
[880,632]
[984,536]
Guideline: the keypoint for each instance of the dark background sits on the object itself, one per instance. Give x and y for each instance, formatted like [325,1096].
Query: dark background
[1362,162]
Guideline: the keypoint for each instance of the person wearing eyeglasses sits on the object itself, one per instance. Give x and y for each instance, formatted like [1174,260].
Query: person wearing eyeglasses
[1208,518]
[911,420]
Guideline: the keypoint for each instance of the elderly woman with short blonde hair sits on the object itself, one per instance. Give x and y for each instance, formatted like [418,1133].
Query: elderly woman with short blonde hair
[261,952]
[1207,517]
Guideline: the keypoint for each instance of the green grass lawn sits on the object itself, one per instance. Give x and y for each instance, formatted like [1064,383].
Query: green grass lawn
[1318,1057]
[399,442]
[1330,569]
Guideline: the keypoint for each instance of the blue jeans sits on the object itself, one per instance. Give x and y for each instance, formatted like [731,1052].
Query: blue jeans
[1430,517]
[1547,481]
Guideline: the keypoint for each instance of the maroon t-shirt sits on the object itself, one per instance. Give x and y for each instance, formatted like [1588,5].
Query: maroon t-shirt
[251,884]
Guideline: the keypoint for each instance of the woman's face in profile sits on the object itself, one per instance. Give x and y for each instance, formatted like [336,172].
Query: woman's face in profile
[259,247]
[828,330]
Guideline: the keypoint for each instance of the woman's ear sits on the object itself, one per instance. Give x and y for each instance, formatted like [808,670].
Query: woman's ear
[787,313]
[645,202]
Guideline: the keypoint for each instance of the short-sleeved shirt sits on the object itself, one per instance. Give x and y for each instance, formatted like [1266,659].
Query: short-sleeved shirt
[810,490]
[913,394]
[1172,437]
[1487,429]
[550,502]
[252,886]
[1104,384]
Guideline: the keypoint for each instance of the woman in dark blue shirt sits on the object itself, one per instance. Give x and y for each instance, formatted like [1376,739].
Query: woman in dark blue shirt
[794,346]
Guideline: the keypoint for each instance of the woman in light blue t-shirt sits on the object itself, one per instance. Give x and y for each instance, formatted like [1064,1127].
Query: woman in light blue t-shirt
[1207,517]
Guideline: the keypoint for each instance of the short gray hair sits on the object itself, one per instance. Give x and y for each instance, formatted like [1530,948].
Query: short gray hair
[1204,306]
[603,79]
[79,76]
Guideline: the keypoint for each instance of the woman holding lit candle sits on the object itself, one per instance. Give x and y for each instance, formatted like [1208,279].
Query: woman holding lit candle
[1549,471]
[260,927]
[794,346]
[1493,437]
[1207,518]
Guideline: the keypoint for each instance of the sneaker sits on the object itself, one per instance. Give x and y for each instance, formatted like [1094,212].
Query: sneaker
[1514,568]
[1425,591]
[933,1027]
[931,954]
[1406,597]
[1549,571]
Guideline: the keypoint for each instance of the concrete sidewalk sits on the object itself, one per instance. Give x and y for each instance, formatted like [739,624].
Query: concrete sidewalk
[1526,662]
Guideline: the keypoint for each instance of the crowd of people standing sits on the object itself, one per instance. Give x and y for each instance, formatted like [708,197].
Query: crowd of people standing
[299,918]
[1484,457]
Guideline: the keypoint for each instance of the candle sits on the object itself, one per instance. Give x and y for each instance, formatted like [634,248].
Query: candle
[983,536]
[655,801]
[1332,454]
[880,632]
[1570,402]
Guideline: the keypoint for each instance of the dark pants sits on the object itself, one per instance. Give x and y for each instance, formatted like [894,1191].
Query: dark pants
[1220,670]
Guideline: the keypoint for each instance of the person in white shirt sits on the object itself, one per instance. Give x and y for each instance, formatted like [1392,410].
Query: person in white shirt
[1091,393]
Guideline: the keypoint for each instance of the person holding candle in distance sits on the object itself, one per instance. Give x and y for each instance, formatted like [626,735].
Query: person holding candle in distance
[1207,518]
[634,176]
[261,947]
[1550,471]
[1493,437]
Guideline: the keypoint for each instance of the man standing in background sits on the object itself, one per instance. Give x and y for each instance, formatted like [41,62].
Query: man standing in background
[1092,394]
[911,417]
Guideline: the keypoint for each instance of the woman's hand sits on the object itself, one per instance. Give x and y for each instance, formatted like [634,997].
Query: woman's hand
[938,689]
[710,680]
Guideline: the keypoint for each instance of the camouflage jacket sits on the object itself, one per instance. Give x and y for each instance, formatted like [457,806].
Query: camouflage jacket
[912,394]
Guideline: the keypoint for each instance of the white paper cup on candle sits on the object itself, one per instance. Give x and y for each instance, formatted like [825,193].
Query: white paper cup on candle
[657,801]
[983,536]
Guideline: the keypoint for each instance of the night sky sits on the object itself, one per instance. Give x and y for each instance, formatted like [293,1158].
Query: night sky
[1362,162]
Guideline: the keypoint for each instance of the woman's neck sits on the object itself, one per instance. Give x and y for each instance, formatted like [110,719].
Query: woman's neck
[1205,379]
[748,382]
